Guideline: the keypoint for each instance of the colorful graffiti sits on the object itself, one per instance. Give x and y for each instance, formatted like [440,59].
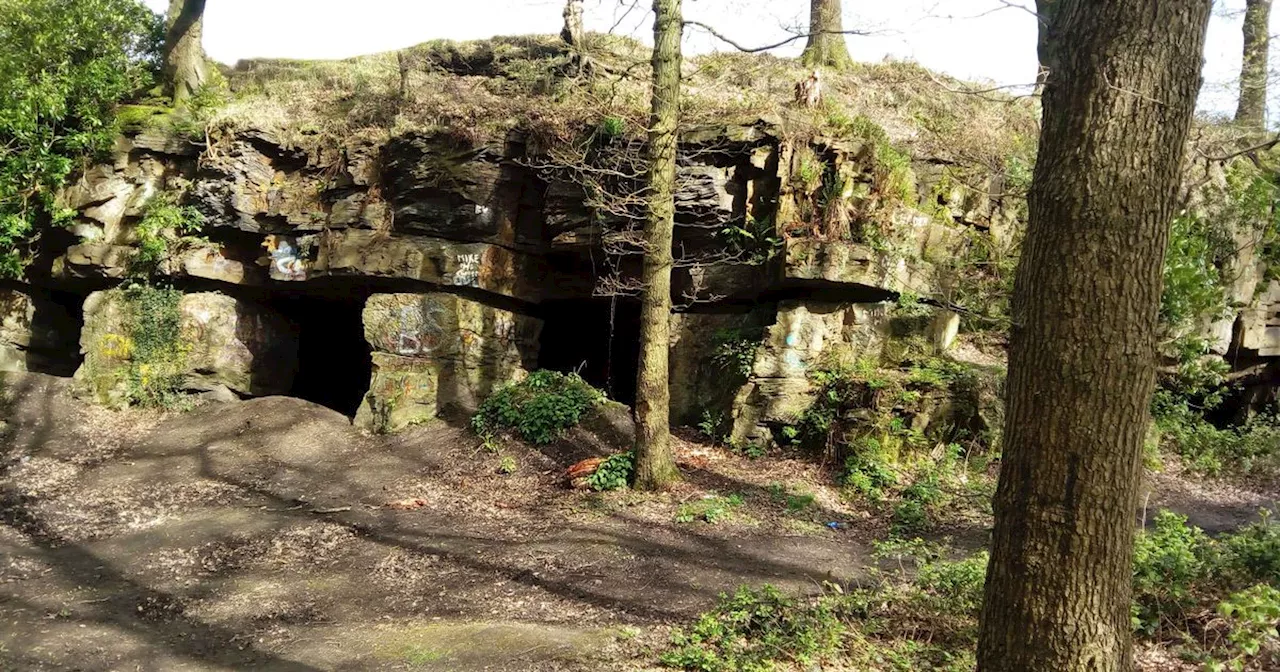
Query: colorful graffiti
[285,262]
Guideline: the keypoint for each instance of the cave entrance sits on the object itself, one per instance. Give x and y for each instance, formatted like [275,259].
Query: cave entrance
[334,361]
[597,337]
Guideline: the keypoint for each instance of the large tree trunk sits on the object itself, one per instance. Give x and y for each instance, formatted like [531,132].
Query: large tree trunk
[185,66]
[1252,109]
[1118,104]
[655,464]
[826,46]
[1044,44]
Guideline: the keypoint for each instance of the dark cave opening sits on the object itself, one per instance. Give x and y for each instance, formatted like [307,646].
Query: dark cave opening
[598,337]
[56,322]
[334,361]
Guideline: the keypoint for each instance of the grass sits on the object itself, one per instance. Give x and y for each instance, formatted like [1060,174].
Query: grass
[482,89]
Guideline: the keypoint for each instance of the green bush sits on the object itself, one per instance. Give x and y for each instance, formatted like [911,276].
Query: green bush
[539,407]
[1252,615]
[614,473]
[734,351]
[1170,564]
[64,67]
[1187,582]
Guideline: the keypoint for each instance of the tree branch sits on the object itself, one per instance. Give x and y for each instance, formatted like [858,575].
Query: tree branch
[755,50]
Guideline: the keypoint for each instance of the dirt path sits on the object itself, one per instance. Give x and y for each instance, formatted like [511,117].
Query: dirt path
[258,535]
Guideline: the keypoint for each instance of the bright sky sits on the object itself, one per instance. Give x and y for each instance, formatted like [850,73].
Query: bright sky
[973,39]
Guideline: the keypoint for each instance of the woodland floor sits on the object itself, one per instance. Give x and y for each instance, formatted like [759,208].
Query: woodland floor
[261,535]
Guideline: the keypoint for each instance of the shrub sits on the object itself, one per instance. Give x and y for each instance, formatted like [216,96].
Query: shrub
[734,351]
[539,407]
[1251,615]
[614,473]
[1223,591]
[1169,565]
[163,225]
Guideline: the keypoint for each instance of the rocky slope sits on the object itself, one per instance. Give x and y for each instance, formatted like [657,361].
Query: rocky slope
[466,221]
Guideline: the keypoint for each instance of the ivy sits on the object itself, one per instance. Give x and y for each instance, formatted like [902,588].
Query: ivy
[158,355]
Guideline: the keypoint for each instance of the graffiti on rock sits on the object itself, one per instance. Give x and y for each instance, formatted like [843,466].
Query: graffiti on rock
[468,272]
[418,329]
[285,263]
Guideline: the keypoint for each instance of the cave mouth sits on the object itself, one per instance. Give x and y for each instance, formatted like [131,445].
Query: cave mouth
[599,338]
[334,361]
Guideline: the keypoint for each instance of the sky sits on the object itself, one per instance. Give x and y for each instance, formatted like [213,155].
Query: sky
[971,39]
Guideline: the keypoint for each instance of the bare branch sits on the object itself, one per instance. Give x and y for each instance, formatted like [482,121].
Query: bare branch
[755,50]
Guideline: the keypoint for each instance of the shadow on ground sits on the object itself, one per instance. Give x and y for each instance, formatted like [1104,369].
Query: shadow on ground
[259,535]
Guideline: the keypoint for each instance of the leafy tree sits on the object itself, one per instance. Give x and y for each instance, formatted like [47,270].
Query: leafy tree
[64,66]
[1118,100]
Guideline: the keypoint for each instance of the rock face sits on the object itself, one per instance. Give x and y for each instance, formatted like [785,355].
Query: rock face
[1260,323]
[435,351]
[218,344]
[35,333]
[788,252]
[779,390]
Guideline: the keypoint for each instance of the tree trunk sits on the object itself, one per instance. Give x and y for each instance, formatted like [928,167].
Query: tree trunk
[655,464]
[1117,107]
[1252,109]
[1044,44]
[572,31]
[826,46]
[185,66]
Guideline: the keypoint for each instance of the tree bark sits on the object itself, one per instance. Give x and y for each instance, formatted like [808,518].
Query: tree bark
[1117,107]
[572,31]
[1044,44]
[185,67]
[826,46]
[655,463]
[1252,108]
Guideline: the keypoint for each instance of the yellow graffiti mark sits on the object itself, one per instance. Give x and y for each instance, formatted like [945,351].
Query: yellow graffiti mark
[116,346]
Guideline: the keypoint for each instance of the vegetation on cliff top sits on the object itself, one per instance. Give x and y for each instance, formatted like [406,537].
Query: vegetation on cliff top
[485,88]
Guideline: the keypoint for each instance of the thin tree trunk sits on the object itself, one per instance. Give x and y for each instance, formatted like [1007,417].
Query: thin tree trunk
[185,66]
[1118,104]
[826,46]
[655,464]
[1252,109]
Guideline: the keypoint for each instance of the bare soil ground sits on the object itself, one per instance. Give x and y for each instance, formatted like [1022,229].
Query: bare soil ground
[260,535]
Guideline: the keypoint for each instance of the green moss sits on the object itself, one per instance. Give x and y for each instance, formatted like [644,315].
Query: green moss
[140,117]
